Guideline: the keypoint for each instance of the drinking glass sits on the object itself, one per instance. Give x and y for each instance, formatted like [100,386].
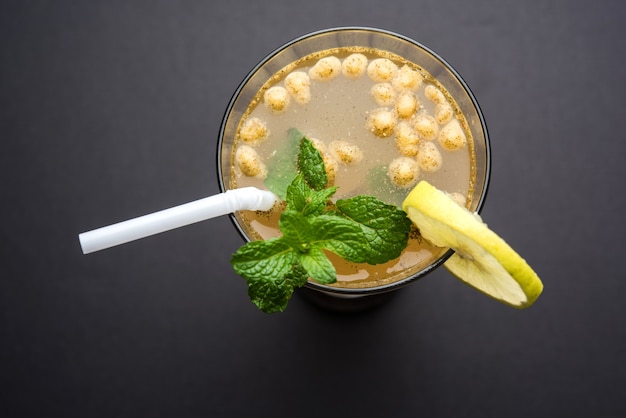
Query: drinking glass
[361,295]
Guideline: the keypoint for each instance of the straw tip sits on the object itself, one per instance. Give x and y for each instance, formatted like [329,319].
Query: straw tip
[252,198]
[268,200]
[84,244]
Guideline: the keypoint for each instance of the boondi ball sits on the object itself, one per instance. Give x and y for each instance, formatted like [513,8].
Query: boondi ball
[345,152]
[433,94]
[407,140]
[325,69]
[276,99]
[403,172]
[381,69]
[443,113]
[249,162]
[429,157]
[382,122]
[354,66]
[298,84]
[406,105]
[426,126]
[452,137]
[383,94]
[253,131]
[406,78]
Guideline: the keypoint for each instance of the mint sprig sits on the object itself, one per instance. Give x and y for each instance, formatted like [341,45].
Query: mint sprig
[359,229]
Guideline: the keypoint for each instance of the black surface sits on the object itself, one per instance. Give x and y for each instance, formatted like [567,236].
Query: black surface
[110,109]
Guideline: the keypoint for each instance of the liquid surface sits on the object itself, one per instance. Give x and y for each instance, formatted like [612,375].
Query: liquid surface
[340,111]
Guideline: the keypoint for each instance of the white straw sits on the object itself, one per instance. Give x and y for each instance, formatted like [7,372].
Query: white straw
[246,198]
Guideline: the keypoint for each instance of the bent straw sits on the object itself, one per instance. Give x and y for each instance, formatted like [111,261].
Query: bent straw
[246,198]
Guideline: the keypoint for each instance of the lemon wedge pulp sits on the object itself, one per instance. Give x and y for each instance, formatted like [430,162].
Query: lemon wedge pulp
[482,259]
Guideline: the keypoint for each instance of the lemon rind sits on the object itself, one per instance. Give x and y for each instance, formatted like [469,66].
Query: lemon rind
[426,202]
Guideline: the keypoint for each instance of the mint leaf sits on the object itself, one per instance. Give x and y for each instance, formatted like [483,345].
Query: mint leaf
[270,270]
[302,198]
[296,229]
[311,165]
[340,236]
[319,267]
[271,259]
[271,296]
[298,276]
[282,165]
[299,232]
[385,227]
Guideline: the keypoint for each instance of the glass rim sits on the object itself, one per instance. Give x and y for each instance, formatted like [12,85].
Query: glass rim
[357,291]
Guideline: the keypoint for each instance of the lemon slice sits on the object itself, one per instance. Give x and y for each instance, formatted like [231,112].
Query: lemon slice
[482,259]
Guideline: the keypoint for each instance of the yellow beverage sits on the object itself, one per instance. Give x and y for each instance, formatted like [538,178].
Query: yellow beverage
[383,113]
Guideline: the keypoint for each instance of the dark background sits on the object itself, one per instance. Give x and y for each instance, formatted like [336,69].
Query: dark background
[111,109]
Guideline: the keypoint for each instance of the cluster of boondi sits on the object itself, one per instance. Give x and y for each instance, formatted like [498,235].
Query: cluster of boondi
[394,90]
[415,130]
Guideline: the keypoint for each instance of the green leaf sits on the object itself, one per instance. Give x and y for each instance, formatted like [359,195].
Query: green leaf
[318,266]
[271,270]
[341,236]
[270,296]
[297,194]
[304,199]
[311,165]
[271,259]
[296,229]
[282,165]
[385,227]
[298,276]
[273,296]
